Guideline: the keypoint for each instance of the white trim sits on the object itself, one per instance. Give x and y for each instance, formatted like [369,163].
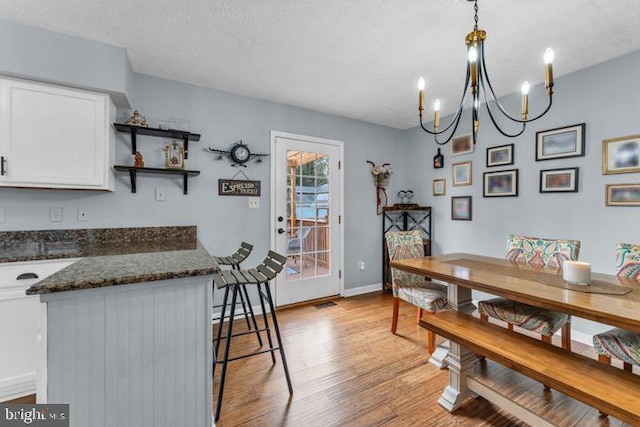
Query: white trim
[15,387]
[351,292]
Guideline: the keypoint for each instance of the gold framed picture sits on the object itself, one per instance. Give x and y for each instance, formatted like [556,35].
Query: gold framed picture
[622,195]
[461,173]
[439,187]
[621,155]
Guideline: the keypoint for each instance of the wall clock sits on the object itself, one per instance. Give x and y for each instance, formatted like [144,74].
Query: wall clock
[239,154]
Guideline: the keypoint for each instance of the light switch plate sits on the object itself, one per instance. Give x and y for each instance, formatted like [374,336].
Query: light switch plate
[55,214]
[83,215]
[254,202]
[161,194]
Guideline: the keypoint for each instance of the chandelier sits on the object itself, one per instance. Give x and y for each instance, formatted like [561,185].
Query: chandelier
[481,91]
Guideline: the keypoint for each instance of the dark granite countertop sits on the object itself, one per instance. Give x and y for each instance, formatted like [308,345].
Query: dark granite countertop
[110,257]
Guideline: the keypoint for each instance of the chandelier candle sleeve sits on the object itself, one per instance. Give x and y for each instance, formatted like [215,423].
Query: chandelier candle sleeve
[436,115]
[548,70]
[421,84]
[525,100]
[576,272]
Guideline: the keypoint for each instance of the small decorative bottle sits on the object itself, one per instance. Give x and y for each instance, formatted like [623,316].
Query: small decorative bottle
[438,160]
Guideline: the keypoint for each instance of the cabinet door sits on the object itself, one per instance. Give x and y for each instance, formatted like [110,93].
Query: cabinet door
[55,137]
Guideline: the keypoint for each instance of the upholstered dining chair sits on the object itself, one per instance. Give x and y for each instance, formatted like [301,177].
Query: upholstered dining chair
[618,343]
[409,287]
[536,252]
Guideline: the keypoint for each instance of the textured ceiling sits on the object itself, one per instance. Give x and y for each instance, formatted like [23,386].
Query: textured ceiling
[354,58]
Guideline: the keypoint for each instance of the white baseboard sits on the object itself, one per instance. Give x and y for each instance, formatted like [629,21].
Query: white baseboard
[351,292]
[15,387]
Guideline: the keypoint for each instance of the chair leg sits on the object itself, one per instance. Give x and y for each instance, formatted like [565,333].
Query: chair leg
[484,317]
[216,347]
[546,338]
[607,361]
[431,341]
[244,309]
[510,326]
[420,311]
[627,367]
[225,359]
[266,323]
[566,335]
[253,316]
[280,346]
[394,316]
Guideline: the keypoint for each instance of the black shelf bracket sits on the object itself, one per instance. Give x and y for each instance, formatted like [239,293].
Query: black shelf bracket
[133,175]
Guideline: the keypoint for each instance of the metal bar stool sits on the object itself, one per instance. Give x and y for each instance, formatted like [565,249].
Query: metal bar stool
[234,261]
[234,280]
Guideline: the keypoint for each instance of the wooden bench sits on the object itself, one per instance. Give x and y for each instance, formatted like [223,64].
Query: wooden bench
[603,387]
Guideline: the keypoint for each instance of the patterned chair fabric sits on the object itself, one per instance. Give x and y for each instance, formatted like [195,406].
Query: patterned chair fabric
[618,343]
[628,261]
[541,252]
[538,252]
[409,287]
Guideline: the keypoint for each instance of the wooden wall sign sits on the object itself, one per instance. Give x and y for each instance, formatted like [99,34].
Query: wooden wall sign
[236,187]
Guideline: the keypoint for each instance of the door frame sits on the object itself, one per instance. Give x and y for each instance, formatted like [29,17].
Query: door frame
[272,185]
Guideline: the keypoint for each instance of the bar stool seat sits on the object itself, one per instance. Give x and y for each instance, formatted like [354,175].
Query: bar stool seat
[247,309]
[234,280]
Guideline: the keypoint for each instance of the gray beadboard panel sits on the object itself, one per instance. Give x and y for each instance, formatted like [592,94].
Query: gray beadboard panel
[139,355]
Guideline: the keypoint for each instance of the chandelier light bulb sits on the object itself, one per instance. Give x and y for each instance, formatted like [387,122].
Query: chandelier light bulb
[548,56]
[472,54]
[421,83]
[525,88]
[436,105]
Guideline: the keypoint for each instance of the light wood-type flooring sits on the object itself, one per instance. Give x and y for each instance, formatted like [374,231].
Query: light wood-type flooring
[348,369]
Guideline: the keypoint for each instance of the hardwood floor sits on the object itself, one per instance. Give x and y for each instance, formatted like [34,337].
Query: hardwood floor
[348,369]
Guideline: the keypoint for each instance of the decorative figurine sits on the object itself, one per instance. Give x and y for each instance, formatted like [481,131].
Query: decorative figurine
[139,161]
[137,119]
[438,160]
[173,156]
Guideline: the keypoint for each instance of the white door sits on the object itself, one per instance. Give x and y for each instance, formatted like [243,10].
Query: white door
[306,206]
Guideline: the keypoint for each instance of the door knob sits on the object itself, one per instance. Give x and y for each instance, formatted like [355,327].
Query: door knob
[281,230]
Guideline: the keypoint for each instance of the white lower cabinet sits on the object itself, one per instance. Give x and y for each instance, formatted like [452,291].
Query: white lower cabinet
[20,326]
[55,137]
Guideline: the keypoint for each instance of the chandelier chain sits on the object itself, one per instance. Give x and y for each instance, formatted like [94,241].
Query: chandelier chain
[475,15]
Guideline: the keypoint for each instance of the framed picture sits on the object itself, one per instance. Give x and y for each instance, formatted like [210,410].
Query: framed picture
[462,144]
[461,208]
[439,187]
[622,195]
[560,143]
[559,180]
[500,156]
[621,155]
[501,184]
[461,173]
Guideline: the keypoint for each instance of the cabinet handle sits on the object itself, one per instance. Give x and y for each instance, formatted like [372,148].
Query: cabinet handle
[2,161]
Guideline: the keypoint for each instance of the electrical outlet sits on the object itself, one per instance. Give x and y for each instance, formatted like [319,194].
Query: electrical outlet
[254,202]
[361,265]
[161,194]
[83,215]
[1,215]
[55,214]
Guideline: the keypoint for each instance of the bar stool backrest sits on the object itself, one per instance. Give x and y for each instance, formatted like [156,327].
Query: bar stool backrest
[243,252]
[272,265]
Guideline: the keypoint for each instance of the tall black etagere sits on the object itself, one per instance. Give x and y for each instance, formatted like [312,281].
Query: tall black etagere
[404,217]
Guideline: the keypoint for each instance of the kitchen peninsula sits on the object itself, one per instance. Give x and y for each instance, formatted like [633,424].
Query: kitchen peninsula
[126,335]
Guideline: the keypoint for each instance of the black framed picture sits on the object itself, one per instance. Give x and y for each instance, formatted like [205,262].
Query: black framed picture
[501,155]
[560,143]
[501,183]
[461,208]
[564,180]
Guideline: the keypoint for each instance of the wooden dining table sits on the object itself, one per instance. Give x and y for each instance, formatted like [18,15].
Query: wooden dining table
[607,300]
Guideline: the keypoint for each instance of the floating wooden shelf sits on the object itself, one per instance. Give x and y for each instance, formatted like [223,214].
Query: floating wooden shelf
[163,133]
[133,172]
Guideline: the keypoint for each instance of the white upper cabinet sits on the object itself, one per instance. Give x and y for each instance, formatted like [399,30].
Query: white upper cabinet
[55,137]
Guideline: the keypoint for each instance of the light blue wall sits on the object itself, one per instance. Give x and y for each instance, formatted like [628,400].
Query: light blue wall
[607,98]
[222,119]
[57,58]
